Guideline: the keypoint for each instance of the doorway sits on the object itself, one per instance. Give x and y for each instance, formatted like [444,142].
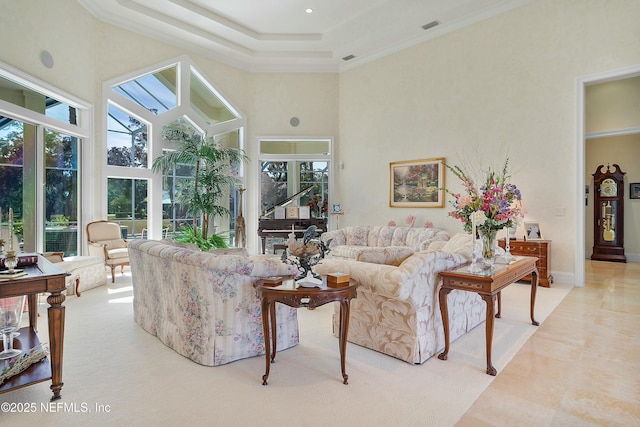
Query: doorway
[582,83]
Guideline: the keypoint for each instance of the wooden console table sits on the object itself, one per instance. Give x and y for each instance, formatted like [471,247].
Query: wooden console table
[297,296]
[540,249]
[43,277]
[488,285]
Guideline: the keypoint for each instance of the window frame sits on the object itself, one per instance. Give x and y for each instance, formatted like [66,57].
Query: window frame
[34,224]
[155,124]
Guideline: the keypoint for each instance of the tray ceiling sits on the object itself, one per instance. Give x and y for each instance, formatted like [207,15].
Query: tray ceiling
[279,35]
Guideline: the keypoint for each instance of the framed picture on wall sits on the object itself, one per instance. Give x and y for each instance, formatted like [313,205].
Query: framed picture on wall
[634,190]
[417,183]
[533,230]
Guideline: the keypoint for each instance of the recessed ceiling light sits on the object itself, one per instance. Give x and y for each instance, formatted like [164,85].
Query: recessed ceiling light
[308,10]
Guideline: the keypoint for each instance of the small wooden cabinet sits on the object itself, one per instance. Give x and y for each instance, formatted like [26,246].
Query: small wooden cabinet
[540,249]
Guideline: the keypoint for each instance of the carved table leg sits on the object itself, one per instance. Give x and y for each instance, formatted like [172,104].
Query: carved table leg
[534,288]
[55,314]
[345,305]
[267,338]
[490,300]
[444,311]
[32,302]
[274,331]
[498,315]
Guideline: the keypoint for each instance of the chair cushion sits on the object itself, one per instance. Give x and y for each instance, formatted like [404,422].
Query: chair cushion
[100,231]
[114,244]
[118,253]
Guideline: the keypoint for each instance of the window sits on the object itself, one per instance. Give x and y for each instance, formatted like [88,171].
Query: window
[41,144]
[140,108]
[290,166]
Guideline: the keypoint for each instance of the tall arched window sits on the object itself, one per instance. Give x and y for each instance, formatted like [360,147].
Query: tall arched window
[140,106]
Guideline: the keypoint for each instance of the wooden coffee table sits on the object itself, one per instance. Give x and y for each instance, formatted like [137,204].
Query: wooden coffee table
[488,285]
[296,296]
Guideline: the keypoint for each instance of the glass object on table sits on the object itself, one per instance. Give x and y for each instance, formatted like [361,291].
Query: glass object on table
[489,241]
[10,319]
[11,261]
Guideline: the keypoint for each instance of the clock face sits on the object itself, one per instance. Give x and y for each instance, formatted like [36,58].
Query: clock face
[608,188]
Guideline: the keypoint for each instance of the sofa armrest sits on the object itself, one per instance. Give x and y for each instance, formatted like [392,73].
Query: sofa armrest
[334,237]
[416,278]
[97,249]
[53,257]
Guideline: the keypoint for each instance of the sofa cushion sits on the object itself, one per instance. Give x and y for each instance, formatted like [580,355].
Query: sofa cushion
[357,235]
[229,251]
[458,244]
[392,255]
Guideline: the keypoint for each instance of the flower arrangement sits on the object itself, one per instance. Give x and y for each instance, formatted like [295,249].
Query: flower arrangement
[491,205]
[317,205]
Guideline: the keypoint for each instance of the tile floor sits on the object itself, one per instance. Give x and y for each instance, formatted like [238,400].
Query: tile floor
[582,366]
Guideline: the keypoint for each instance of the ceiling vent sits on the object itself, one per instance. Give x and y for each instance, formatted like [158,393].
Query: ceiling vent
[348,57]
[430,25]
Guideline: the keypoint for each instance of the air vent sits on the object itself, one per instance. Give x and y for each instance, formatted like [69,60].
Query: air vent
[348,57]
[430,25]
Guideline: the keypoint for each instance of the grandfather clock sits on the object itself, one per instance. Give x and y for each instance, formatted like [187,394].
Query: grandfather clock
[608,216]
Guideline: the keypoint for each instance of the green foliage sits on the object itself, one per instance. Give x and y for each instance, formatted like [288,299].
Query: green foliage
[190,234]
[212,175]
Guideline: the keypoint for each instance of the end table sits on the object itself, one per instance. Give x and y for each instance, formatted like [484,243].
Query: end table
[297,296]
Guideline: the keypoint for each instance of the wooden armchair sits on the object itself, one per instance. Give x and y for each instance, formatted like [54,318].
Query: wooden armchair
[105,241]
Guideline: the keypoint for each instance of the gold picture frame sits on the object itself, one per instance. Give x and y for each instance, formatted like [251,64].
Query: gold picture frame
[417,183]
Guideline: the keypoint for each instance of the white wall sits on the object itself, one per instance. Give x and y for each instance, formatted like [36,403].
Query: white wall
[504,85]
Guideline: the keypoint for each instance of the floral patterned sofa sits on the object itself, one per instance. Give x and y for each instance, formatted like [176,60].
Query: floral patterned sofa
[381,244]
[397,310]
[204,305]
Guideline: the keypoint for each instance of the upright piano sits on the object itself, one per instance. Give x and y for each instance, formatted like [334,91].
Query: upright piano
[281,227]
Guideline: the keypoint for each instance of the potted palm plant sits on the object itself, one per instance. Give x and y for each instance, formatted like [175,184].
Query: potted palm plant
[212,165]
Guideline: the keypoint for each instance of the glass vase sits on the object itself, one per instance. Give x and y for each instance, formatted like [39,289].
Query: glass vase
[488,241]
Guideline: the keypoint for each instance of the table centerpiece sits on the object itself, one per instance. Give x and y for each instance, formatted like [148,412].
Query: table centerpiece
[486,209]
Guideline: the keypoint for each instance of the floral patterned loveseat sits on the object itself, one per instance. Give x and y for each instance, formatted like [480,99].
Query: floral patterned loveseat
[204,305]
[397,310]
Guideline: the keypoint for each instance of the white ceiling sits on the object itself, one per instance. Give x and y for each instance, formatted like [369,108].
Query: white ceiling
[278,35]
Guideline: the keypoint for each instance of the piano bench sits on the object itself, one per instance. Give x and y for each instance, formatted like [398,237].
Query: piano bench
[277,247]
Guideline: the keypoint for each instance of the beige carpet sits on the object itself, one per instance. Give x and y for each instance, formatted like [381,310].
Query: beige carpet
[117,374]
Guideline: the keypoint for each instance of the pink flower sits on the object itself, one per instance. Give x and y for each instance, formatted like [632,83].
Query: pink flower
[391,223]
[428,224]
[464,200]
[411,219]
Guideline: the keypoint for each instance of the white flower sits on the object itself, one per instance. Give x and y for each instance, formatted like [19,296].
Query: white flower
[479,217]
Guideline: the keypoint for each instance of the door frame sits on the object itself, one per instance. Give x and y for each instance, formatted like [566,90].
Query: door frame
[581,83]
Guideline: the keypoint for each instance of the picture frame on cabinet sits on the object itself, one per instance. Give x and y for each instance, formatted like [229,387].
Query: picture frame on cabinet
[533,230]
[634,190]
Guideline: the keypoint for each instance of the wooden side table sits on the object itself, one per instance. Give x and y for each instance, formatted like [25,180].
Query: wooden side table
[488,285]
[297,296]
[43,277]
[540,249]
